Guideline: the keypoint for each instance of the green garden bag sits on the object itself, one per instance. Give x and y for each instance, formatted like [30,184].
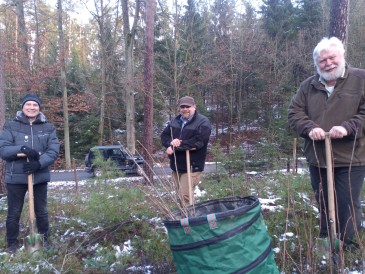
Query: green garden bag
[226,235]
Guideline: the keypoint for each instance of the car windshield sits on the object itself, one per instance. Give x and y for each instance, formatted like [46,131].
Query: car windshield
[113,152]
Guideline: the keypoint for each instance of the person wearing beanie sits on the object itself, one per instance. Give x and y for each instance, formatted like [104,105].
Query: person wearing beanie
[31,97]
[189,130]
[31,134]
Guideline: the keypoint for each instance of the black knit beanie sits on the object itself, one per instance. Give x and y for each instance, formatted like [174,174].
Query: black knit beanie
[31,97]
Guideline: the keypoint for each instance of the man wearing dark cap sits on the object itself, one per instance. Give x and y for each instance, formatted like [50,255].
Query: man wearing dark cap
[189,130]
[31,134]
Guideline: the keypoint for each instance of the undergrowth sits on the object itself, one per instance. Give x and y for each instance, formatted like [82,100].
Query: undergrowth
[111,226]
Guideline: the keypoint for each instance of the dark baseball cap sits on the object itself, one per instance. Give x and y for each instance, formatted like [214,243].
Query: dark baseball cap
[186,101]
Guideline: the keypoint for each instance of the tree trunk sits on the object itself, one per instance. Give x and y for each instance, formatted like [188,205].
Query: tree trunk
[148,81]
[36,55]
[22,39]
[129,36]
[339,20]
[103,64]
[175,51]
[130,103]
[66,128]
[2,110]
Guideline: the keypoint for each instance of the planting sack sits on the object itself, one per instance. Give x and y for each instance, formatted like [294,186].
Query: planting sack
[226,235]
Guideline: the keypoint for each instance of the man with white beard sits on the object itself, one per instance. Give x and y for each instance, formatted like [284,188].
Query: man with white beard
[333,102]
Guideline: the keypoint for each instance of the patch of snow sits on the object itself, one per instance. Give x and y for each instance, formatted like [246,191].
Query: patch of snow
[286,235]
[276,250]
[270,204]
[145,269]
[127,248]
[198,192]
[118,252]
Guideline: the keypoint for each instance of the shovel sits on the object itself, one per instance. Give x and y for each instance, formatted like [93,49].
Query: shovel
[331,202]
[33,241]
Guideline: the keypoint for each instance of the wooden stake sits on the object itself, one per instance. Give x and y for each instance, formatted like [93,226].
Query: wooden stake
[295,155]
[75,174]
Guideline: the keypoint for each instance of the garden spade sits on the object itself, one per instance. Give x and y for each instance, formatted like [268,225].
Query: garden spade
[334,242]
[33,241]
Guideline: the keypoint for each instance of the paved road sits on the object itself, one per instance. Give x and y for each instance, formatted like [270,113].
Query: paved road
[58,176]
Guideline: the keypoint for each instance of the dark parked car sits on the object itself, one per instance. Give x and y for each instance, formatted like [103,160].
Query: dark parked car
[117,153]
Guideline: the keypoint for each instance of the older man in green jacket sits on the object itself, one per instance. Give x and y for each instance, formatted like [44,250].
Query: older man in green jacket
[333,102]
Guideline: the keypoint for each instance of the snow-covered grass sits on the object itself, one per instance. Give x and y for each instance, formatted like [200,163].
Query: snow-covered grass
[105,227]
[112,226]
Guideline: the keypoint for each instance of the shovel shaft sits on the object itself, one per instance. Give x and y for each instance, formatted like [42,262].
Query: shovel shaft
[31,204]
[31,198]
[32,242]
[188,168]
[330,190]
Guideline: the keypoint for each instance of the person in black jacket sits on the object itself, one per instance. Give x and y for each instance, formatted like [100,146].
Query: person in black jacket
[31,134]
[187,131]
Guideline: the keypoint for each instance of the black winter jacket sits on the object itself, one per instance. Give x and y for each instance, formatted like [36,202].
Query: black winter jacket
[195,135]
[40,136]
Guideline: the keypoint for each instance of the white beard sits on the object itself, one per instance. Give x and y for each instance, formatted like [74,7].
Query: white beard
[337,73]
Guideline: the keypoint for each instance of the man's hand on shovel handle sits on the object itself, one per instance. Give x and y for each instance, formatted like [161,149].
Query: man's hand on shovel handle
[336,132]
[31,167]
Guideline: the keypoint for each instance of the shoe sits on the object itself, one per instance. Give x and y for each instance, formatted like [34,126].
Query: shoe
[12,248]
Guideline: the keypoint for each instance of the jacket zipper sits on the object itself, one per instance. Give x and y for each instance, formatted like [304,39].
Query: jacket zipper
[12,169]
[182,127]
[31,134]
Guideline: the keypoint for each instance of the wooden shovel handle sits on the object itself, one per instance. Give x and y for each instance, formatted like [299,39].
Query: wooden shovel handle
[31,198]
[330,188]
[188,168]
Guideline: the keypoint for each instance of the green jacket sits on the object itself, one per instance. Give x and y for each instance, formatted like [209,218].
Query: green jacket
[311,107]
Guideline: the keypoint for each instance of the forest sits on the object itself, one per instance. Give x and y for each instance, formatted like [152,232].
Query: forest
[112,71]
[241,60]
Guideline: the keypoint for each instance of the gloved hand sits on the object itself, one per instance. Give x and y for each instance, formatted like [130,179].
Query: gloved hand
[31,167]
[31,153]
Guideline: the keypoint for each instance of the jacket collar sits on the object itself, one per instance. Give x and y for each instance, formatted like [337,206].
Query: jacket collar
[319,83]
[21,117]
[190,119]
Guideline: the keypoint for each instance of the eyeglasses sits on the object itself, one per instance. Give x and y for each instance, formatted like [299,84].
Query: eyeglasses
[185,106]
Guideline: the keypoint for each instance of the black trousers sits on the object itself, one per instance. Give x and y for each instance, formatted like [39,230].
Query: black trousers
[348,184]
[16,195]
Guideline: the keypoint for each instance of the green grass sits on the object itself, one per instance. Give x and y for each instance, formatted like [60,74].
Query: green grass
[91,227]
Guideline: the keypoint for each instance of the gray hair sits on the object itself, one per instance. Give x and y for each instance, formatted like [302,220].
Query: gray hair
[325,44]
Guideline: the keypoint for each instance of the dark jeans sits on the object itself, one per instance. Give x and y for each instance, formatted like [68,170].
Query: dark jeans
[16,194]
[348,185]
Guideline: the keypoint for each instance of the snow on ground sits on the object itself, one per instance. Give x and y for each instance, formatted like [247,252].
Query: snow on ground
[270,204]
[267,204]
